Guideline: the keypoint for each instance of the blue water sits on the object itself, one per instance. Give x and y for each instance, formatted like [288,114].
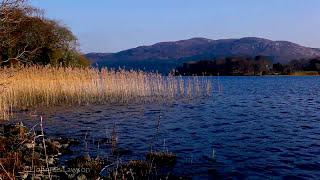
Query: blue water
[259,127]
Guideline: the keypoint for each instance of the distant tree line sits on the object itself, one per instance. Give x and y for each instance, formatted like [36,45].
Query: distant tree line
[302,65]
[248,66]
[27,37]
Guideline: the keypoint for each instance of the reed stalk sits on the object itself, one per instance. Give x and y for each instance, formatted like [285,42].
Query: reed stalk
[50,86]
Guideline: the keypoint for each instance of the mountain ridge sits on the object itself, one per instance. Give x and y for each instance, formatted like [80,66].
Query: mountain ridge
[172,53]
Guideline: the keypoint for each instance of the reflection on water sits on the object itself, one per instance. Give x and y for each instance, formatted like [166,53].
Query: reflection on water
[258,126]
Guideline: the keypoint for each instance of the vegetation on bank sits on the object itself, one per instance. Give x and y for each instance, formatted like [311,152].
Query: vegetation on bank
[27,37]
[31,154]
[49,86]
[248,66]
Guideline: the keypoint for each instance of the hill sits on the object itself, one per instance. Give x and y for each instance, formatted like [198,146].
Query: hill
[165,56]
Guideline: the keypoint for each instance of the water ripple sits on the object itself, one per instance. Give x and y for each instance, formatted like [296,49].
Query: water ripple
[260,128]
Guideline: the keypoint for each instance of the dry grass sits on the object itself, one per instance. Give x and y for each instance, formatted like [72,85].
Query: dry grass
[305,73]
[50,86]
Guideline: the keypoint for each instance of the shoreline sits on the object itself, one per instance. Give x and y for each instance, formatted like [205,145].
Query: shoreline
[247,75]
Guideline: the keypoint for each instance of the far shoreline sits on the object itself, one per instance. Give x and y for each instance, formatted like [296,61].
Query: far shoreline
[269,75]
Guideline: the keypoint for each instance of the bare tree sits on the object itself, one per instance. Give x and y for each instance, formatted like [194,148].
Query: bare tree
[14,14]
[27,37]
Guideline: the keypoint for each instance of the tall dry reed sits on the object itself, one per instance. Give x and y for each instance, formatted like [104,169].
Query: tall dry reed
[50,86]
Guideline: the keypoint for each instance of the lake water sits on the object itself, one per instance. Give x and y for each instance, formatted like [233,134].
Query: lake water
[259,127]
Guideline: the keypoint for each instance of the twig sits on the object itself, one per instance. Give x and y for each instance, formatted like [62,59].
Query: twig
[5,171]
[33,151]
[44,146]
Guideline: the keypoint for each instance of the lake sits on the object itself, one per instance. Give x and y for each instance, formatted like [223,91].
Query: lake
[258,127]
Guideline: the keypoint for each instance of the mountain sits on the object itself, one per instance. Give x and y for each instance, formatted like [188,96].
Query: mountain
[165,56]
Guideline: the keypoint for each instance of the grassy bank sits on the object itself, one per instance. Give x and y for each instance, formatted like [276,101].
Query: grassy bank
[51,86]
[305,73]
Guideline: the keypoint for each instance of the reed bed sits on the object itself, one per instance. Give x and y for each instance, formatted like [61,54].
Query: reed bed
[50,86]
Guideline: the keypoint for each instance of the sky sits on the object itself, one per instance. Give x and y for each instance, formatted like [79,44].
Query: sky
[115,25]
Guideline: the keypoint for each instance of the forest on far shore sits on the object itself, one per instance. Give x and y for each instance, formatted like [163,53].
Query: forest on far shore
[249,66]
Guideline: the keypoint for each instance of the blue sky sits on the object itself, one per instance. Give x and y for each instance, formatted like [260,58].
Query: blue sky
[114,25]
